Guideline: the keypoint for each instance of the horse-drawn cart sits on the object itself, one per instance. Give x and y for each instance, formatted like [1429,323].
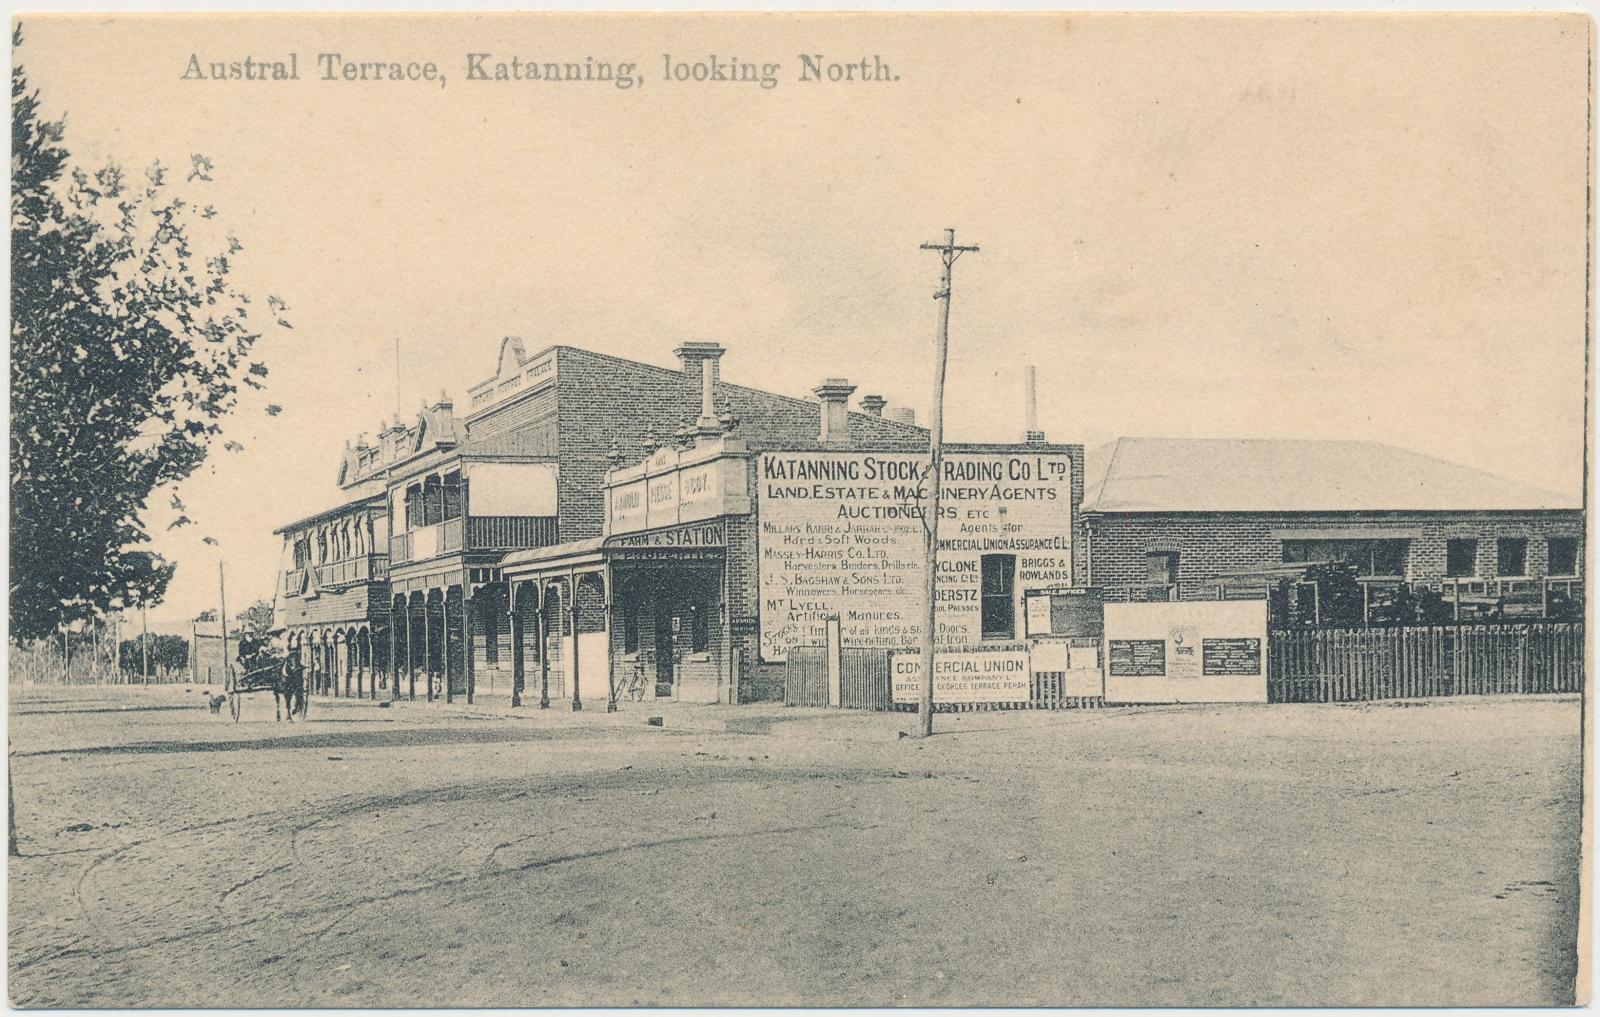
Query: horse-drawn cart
[263,671]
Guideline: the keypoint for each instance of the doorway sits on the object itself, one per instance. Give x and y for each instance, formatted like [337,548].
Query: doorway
[666,658]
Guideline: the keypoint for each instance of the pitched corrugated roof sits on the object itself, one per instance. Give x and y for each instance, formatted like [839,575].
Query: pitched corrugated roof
[1272,475]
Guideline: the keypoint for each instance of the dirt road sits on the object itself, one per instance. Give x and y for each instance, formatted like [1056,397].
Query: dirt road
[1337,855]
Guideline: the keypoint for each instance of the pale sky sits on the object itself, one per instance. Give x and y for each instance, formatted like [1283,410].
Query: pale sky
[1352,227]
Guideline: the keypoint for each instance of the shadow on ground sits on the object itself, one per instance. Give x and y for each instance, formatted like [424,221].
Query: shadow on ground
[402,737]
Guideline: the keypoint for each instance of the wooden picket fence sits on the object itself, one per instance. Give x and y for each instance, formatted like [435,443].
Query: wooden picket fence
[864,679]
[805,676]
[1347,665]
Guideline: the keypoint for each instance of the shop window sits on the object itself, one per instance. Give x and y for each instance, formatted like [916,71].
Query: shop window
[999,586]
[1513,556]
[1161,568]
[1563,556]
[699,628]
[1371,557]
[1460,557]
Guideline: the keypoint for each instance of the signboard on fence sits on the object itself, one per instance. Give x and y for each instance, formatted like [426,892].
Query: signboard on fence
[1077,661]
[841,535]
[1186,652]
[979,676]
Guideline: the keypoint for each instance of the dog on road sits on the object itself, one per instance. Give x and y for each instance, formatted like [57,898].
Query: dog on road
[216,703]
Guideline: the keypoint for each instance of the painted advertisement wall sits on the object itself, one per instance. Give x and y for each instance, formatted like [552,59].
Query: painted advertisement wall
[1186,652]
[841,533]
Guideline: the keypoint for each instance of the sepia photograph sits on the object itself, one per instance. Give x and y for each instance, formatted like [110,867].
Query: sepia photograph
[811,510]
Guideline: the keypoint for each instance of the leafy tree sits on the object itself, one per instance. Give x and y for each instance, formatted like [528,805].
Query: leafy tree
[167,653]
[256,620]
[129,344]
[1338,599]
[208,615]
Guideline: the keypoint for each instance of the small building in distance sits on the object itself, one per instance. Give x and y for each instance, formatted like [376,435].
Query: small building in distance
[1183,519]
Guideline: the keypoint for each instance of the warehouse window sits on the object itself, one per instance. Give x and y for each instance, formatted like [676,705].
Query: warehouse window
[1460,557]
[1371,557]
[1563,556]
[1161,568]
[999,586]
[1513,555]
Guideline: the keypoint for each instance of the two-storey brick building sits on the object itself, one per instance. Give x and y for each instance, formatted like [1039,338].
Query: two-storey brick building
[593,523]
[523,468]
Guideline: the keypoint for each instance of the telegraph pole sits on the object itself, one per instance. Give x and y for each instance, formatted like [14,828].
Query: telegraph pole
[222,616]
[948,253]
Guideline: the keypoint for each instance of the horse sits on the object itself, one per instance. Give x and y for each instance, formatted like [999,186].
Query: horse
[285,675]
[289,688]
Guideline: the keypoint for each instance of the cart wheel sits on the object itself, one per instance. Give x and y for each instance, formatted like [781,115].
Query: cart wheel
[235,704]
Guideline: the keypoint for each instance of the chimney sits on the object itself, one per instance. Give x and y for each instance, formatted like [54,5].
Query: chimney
[389,440]
[702,359]
[903,415]
[873,404]
[444,402]
[835,396]
[693,356]
[1033,436]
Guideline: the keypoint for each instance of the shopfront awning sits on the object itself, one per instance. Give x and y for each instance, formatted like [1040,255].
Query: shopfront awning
[554,558]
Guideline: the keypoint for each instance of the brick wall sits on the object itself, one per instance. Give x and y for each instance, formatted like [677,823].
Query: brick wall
[1213,544]
[604,399]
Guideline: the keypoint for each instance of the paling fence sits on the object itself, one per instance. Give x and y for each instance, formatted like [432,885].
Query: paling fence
[1347,665]
[805,676]
[864,679]
[1303,666]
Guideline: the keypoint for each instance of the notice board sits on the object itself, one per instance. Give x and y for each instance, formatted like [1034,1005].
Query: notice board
[1186,652]
[841,536]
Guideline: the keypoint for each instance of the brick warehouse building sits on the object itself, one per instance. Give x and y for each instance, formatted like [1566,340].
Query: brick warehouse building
[512,556]
[1179,519]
